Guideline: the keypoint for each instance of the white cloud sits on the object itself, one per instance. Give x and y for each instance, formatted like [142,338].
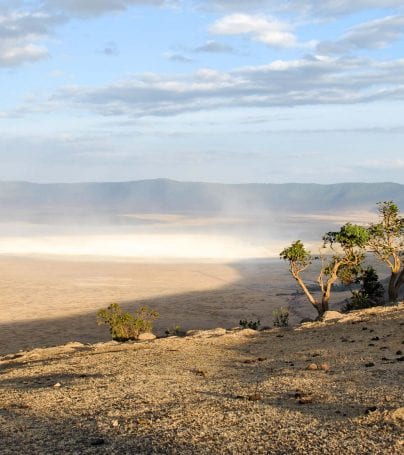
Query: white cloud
[20,33]
[88,8]
[175,57]
[215,48]
[308,81]
[264,29]
[375,34]
[24,25]
[315,7]
[13,53]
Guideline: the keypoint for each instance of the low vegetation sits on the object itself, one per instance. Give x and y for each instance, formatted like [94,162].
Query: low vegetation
[281,317]
[370,293]
[245,324]
[125,326]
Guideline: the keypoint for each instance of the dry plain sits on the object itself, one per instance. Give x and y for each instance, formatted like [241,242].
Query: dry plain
[50,301]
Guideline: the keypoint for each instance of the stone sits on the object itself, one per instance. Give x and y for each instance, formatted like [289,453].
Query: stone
[370,409]
[147,336]
[325,367]
[312,367]
[207,333]
[97,442]
[305,399]
[398,415]
[73,344]
[57,385]
[254,397]
[369,364]
[330,316]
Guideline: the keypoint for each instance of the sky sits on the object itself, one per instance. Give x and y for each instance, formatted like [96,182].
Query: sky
[202,90]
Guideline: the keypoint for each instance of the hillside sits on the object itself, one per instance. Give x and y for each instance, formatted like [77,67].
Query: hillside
[215,392]
[22,200]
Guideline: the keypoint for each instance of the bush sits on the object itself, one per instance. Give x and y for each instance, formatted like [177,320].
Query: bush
[125,326]
[370,293]
[174,331]
[249,324]
[281,317]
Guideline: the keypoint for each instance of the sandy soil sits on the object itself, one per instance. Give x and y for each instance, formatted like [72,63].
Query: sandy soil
[45,302]
[240,393]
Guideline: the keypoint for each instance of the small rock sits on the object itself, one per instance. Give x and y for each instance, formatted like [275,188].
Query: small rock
[210,333]
[73,344]
[375,339]
[330,316]
[306,320]
[97,442]
[325,366]
[200,373]
[399,352]
[13,356]
[306,399]
[312,367]
[254,397]
[146,336]
[370,409]
[400,359]
[58,384]
[398,415]
[115,423]
[369,364]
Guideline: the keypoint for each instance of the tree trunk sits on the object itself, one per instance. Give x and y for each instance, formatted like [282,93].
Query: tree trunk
[394,286]
[311,299]
[324,303]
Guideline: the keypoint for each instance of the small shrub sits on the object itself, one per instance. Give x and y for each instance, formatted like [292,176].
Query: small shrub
[370,293]
[281,317]
[250,324]
[174,331]
[125,326]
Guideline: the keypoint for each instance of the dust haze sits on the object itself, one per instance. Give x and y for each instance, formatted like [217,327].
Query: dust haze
[196,271]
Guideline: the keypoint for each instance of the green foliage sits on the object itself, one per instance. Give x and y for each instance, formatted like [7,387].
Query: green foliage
[370,293]
[386,241]
[348,237]
[296,254]
[249,324]
[125,326]
[387,236]
[281,317]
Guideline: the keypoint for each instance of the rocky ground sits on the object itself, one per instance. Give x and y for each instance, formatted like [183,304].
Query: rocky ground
[322,388]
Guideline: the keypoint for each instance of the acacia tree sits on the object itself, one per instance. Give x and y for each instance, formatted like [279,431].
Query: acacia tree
[386,241]
[346,249]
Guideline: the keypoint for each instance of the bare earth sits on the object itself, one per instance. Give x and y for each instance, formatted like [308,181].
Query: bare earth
[47,302]
[241,392]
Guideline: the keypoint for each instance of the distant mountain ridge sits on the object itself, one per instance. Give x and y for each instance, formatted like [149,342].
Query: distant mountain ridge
[169,196]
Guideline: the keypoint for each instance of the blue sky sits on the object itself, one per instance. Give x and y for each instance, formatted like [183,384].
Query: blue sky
[213,90]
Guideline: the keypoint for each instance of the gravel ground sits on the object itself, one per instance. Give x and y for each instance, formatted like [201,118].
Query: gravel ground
[238,393]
